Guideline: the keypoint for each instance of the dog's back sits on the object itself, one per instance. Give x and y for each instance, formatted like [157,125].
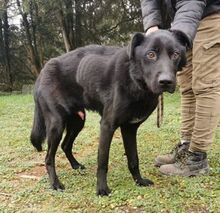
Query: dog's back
[68,63]
[65,67]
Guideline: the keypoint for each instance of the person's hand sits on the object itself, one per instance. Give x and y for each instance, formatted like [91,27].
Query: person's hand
[152,29]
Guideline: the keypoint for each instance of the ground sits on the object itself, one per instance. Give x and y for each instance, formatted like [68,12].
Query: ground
[24,185]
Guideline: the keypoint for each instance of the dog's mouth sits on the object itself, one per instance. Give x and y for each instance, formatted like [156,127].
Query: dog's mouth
[160,89]
[170,89]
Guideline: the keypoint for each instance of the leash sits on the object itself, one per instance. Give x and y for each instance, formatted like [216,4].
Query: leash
[160,108]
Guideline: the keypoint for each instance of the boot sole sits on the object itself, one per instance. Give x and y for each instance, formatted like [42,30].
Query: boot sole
[194,173]
[199,172]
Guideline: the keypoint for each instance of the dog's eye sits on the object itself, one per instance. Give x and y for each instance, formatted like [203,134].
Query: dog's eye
[152,55]
[175,55]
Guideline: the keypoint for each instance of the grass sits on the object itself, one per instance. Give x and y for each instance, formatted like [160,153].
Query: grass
[24,185]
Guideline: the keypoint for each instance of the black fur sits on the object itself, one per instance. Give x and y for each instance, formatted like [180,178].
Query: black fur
[121,84]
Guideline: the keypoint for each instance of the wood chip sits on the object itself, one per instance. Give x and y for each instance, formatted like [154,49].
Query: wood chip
[33,177]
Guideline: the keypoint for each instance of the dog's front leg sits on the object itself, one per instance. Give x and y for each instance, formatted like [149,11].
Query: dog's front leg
[129,132]
[103,157]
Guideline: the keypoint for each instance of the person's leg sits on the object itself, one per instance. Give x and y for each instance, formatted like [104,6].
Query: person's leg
[184,80]
[188,101]
[206,87]
[206,83]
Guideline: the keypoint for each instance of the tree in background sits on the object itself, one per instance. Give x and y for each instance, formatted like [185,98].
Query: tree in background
[30,22]
[50,28]
[4,46]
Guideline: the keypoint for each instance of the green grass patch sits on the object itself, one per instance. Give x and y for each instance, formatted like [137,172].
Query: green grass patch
[24,185]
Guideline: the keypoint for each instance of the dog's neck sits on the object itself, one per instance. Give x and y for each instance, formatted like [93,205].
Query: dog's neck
[137,79]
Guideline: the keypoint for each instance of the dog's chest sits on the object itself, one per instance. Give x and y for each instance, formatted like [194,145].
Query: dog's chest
[138,120]
[141,111]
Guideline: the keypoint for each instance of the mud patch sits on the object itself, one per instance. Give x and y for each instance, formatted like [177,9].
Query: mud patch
[34,173]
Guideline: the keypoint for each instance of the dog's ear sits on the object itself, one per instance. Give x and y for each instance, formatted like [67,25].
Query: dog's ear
[185,43]
[136,40]
[183,60]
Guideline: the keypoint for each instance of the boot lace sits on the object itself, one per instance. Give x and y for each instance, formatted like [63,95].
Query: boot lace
[179,150]
[182,158]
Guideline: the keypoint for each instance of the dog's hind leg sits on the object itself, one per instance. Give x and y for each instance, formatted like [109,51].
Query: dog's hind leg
[129,132]
[74,126]
[55,128]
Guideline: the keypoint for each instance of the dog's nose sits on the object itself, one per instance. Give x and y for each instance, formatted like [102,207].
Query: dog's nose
[165,82]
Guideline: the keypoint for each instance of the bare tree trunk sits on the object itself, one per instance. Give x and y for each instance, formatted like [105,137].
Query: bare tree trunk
[70,17]
[34,8]
[64,31]
[78,24]
[65,16]
[2,57]
[5,47]
[31,41]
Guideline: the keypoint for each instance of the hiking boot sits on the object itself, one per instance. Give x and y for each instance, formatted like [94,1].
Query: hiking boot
[187,164]
[172,156]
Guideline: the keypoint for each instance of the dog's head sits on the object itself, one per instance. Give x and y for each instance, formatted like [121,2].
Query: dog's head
[156,58]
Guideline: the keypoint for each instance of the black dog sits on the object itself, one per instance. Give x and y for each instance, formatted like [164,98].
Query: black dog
[121,84]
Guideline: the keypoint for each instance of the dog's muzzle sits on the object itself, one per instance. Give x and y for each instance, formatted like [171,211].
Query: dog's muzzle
[167,85]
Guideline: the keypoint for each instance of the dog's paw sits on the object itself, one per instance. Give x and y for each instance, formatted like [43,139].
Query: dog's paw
[78,166]
[103,191]
[144,182]
[58,186]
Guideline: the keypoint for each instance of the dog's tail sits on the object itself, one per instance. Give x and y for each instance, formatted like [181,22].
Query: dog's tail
[38,133]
